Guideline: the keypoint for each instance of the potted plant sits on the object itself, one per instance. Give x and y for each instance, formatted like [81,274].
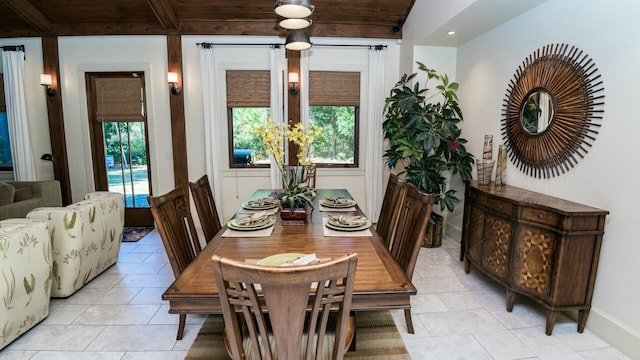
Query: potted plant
[296,193]
[424,137]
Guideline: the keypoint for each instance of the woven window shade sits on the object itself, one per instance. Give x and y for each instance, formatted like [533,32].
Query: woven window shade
[335,88]
[119,99]
[3,105]
[248,88]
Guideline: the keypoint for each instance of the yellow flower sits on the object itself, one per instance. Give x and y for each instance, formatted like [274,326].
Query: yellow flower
[273,136]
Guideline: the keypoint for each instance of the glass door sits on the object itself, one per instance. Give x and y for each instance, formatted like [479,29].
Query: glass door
[118,127]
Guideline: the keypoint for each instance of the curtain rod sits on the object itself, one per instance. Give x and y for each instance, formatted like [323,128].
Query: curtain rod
[12,48]
[209,45]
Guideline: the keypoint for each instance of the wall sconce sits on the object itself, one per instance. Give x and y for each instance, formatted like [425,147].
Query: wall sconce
[293,83]
[172,77]
[45,80]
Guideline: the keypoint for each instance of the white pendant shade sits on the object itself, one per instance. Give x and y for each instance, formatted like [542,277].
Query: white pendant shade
[294,9]
[297,40]
[293,24]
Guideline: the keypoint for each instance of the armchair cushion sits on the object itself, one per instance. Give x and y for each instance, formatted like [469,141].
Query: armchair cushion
[7,193]
[25,276]
[85,239]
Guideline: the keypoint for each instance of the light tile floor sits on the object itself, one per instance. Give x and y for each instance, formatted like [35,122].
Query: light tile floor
[120,315]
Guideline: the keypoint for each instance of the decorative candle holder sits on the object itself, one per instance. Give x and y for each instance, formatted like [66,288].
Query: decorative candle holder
[484,167]
[487,152]
[501,167]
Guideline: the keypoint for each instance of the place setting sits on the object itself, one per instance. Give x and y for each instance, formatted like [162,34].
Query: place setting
[337,204]
[258,224]
[346,225]
[268,205]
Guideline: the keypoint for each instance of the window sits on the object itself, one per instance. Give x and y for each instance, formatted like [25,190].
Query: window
[248,105]
[6,164]
[334,105]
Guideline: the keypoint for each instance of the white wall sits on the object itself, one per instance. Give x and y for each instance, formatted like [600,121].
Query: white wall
[79,55]
[36,105]
[607,177]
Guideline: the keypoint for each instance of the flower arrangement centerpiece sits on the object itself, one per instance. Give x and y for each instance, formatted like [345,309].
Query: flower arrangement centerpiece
[296,192]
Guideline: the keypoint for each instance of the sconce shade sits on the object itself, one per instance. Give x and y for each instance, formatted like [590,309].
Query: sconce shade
[172,78]
[293,77]
[294,9]
[297,40]
[45,79]
[294,24]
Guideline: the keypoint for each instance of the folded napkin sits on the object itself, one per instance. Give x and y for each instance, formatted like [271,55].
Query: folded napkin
[343,234]
[349,219]
[302,260]
[255,217]
[337,200]
[263,201]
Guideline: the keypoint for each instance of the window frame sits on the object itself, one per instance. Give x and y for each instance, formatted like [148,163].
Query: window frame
[356,140]
[230,147]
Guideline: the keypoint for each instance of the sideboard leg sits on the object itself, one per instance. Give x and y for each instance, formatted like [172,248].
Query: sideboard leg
[551,320]
[511,297]
[467,265]
[582,319]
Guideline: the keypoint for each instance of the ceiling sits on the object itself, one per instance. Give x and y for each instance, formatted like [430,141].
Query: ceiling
[342,18]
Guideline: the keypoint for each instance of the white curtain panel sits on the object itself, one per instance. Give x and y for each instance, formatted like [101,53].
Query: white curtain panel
[304,87]
[214,130]
[375,140]
[277,106]
[22,156]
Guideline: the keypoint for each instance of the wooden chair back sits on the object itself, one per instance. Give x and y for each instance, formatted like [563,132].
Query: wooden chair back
[308,174]
[413,219]
[175,225]
[311,175]
[206,207]
[390,209]
[275,301]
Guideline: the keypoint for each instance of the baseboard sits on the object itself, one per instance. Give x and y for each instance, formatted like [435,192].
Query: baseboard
[616,334]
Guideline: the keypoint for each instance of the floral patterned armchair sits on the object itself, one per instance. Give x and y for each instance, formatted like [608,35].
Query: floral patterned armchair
[85,239]
[25,276]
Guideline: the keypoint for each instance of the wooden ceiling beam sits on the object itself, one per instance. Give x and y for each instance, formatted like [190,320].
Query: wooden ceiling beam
[165,14]
[30,14]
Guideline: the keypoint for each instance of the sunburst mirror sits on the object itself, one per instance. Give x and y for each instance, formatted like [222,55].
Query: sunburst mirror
[552,110]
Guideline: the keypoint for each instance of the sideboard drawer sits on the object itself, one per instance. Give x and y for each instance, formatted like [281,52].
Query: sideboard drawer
[540,216]
[497,205]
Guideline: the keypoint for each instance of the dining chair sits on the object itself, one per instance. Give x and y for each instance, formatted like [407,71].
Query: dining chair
[177,231]
[413,219]
[206,207]
[311,175]
[273,305]
[390,209]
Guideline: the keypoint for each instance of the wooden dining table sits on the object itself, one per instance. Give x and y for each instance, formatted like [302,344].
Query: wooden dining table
[379,282]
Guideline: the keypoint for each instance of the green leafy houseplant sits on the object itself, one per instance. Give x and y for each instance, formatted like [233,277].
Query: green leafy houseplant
[423,134]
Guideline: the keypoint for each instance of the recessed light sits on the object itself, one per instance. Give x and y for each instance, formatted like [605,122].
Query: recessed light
[451,33]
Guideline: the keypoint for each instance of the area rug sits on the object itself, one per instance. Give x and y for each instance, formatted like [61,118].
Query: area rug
[377,338]
[133,234]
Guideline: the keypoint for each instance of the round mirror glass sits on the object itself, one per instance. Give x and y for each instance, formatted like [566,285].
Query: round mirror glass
[537,112]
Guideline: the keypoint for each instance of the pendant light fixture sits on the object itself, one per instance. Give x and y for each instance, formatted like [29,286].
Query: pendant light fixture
[294,24]
[294,9]
[295,17]
[297,40]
